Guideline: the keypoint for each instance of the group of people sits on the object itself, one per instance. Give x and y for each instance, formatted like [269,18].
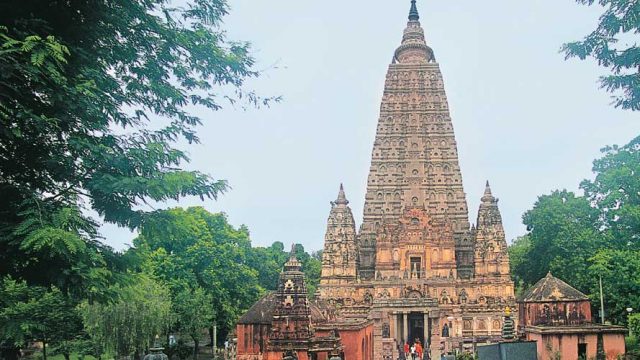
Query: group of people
[413,352]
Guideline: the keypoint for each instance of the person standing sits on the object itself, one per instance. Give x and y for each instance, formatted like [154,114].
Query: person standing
[419,349]
[413,352]
[406,349]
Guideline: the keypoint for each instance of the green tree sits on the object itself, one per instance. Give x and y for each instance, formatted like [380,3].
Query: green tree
[620,272]
[128,325]
[634,324]
[193,249]
[30,313]
[94,95]
[615,191]
[609,45]
[312,271]
[195,314]
[268,262]
[582,238]
[563,235]
[518,253]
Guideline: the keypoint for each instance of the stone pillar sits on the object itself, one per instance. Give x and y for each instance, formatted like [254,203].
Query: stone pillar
[405,326]
[393,325]
[425,327]
[398,319]
[435,338]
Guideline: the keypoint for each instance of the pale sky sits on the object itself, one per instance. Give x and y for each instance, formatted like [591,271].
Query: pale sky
[525,119]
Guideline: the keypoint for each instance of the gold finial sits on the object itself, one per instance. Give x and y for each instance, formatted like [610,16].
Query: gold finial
[507,311]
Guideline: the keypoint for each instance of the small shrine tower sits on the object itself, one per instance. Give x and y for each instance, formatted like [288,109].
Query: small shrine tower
[291,322]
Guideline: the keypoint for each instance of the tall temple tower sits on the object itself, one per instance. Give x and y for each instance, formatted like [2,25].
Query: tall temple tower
[422,273]
[416,271]
[415,157]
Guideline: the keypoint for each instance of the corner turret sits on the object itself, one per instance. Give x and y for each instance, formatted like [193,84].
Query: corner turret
[490,254]
[339,257]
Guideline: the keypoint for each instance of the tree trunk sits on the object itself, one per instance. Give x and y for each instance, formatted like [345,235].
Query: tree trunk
[196,345]
[44,350]
[67,356]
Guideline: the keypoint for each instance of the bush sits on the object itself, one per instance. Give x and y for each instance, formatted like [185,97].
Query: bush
[466,356]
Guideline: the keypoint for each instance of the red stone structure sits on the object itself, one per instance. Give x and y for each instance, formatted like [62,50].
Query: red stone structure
[558,318]
[285,323]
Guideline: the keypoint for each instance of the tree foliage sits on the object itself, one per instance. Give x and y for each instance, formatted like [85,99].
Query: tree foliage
[583,238]
[620,272]
[634,324]
[615,191]
[210,267]
[193,249]
[30,313]
[609,45]
[128,325]
[563,236]
[518,252]
[269,261]
[94,95]
[195,313]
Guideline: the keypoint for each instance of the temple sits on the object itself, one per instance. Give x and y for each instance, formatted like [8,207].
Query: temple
[416,270]
[558,318]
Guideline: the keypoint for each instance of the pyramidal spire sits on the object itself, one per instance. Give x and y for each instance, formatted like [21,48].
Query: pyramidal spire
[342,198]
[487,189]
[414,49]
[488,198]
[292,253]
[413,13]
[293,264]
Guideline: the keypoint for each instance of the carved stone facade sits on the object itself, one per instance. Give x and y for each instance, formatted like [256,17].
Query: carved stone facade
[490,256]
[415,157]
[421,271]
[285,324]
[291,324]
[339,257]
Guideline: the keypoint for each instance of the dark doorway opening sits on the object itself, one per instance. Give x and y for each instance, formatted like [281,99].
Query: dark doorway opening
[582,351]
[416,328]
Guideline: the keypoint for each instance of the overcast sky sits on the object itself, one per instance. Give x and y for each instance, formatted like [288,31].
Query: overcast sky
[525,119]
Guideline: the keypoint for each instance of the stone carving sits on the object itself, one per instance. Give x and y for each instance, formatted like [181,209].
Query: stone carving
[415,244]
[291,322]
[368,298]
[386,332]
